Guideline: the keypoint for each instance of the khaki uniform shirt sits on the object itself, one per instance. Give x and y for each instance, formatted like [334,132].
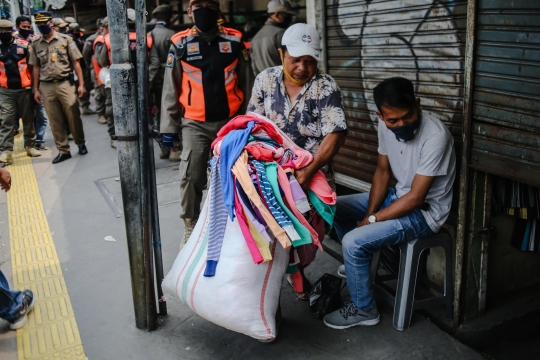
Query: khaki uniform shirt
[88,51]
[54,57]
[264,47]
[158,53]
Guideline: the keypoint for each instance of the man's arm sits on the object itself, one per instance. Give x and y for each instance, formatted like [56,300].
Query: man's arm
[245,78]
[79,73]
[408,202]
[171,110]
[325,153]
[35,82]
[102,55]
[87,52]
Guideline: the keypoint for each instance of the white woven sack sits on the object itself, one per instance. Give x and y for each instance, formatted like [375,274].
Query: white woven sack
[242,296]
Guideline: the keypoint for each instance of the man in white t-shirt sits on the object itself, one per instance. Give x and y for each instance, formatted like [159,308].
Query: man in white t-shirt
[419,151]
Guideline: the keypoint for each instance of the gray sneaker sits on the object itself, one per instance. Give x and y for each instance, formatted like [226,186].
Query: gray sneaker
[349,315]
[341,271]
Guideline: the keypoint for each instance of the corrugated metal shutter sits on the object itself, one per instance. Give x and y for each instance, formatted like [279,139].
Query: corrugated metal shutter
[368,41]
[506,98]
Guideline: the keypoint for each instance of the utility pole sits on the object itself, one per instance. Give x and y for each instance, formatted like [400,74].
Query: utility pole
[137,172]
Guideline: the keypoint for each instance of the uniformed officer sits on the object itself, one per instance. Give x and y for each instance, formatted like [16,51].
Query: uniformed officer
[15,93]
[76,33]
[205,80]
[53,56]
[26,33]
[161,35]
[70,20]
[90,59]
[103,54]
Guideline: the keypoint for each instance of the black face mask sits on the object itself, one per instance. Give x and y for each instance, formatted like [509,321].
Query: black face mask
[26,32]
[45,29]
[205,18]
[286,23]
[5,37]
[406,132]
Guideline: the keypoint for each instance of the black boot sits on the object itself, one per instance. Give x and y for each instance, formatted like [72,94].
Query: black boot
[61,157]
[83,150]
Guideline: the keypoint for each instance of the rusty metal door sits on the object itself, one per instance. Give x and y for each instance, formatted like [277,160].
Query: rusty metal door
[368,41]
[506,91]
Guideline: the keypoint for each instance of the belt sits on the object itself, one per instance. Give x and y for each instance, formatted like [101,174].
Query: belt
[55,80]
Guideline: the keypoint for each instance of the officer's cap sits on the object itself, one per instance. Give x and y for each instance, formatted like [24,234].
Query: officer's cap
[165,9]
[6,24]
[59,22]
[105,21]
[99,22]
[42,17]
[70,19]
[76,27]
[191,2]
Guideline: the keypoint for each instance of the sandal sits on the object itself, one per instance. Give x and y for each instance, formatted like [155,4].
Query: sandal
[303,296]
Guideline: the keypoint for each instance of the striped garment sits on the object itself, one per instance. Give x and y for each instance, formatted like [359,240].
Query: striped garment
[268,194]
[218,220]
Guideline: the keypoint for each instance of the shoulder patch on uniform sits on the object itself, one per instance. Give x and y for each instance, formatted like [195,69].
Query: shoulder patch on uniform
[20,51]
[72,46]
[245,54]
[170,60]
[225,47]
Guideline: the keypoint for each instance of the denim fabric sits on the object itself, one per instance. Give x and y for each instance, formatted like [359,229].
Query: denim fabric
[359,244]
[41,123]
[10,301]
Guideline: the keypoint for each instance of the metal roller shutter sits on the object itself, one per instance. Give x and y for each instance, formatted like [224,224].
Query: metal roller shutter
[506,97]
[369,41]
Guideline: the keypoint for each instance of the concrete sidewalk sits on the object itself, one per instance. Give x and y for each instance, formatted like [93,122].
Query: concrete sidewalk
[97,276]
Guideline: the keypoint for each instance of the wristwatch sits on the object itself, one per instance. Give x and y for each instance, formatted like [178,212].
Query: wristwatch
[372,219]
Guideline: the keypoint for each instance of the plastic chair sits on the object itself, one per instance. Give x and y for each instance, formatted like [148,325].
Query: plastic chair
[403,300]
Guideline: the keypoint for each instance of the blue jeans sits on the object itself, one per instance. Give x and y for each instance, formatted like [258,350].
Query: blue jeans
[10,301]
[41,123]
[359,244]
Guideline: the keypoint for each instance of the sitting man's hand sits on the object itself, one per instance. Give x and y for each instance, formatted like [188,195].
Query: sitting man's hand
[169,140]
[363,222]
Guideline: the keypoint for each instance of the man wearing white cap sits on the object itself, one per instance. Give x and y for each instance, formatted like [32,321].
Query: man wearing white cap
[265,44]
[307,105]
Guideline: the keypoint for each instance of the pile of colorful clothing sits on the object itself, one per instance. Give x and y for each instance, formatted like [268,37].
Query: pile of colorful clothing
[253,183]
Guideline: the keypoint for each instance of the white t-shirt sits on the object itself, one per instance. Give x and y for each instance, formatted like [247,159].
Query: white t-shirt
[430,153]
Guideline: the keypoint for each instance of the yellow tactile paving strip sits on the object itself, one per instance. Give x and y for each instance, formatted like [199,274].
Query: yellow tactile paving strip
[51,332]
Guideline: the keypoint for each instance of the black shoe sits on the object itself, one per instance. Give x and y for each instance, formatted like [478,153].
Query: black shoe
[22,316]
[83,150]
[41,146]
[61,157]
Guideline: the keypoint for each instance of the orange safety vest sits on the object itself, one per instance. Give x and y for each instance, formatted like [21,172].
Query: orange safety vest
[132,44]
[209,89]
[14,70]
[99,40]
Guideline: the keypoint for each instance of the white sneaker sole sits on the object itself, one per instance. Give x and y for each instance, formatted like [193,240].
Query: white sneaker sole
[362,323]
[19,324]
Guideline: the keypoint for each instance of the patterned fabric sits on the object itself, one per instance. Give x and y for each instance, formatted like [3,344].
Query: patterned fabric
[317,111]
[268,194]
[218,220]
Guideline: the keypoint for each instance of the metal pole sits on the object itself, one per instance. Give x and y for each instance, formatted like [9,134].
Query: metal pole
[461,233]
[142,107]
[125,121]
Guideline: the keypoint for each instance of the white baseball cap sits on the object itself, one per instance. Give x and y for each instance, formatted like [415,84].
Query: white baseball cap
[281,6]
[131,15]
[302,39]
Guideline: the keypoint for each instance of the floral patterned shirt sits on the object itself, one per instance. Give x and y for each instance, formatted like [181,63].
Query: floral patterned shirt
[316,112]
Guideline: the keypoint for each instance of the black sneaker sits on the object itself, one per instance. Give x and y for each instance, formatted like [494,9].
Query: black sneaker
[27,305]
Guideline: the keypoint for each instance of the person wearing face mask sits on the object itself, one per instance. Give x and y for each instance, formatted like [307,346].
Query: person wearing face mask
[15,93]
[76,33]
[104,57]
[90,61]
[282,94]
[206,76]
[419,151]
[265,44]
[53,57]
[60,26]
[156,65]
[26,33]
